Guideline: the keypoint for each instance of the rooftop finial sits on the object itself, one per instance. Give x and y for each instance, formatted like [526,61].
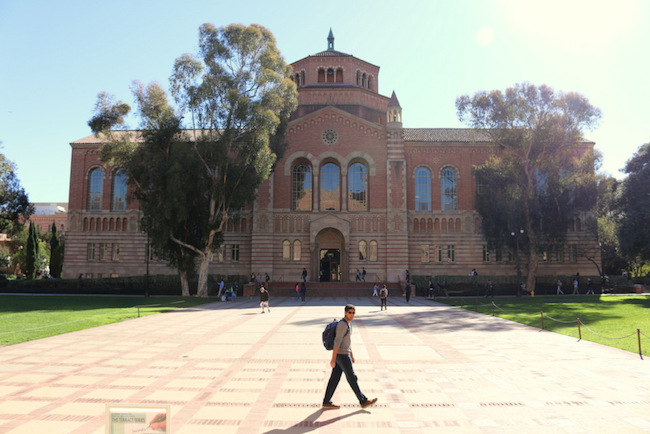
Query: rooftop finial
[330,41]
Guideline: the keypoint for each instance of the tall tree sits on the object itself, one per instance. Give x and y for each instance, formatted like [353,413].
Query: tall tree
[238,97]
[540,174]
[14,202]
[56,254]
[32,252]
[632,204]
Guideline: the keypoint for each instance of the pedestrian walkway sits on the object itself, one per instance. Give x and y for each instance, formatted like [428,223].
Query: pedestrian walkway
[227,368]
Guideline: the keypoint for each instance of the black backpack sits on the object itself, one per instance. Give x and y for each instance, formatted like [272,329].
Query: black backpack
[330,333]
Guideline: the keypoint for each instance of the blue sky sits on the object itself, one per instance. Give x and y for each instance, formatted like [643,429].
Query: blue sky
[55,57]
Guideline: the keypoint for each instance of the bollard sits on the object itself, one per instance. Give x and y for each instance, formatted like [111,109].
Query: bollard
[638,334]
[541,312]
[579,331]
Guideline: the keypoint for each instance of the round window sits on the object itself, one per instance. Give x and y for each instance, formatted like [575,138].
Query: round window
[330,136]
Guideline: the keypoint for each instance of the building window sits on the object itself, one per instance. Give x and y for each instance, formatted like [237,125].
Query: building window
[301,197]
[498,255]
[573,253]
[297,250]
[363,250]
[358,187]
[115,252]
[486,253]
[448,190]
[90,251]
[330,187]
[481,185]
[103,252]
[118,197]
[422,189]
[424,253]
[95,189]
[373,251]
[286,250]
[234,252]
[438,253]
[451,253]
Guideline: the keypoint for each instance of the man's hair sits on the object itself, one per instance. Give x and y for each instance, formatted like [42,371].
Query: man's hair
[349,307]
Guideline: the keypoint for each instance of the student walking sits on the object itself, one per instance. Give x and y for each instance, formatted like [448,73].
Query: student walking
[559,288]
[264,299]
[383,296]
[342,360]
[575,287]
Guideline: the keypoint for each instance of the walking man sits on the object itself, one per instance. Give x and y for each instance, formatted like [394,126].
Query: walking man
[264,299]
[342,360]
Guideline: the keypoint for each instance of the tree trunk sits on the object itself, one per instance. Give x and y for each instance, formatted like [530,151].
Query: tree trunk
[202,290]
[185,284]
[532,270]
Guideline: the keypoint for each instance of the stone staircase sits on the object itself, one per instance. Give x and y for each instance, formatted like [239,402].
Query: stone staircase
[322,289]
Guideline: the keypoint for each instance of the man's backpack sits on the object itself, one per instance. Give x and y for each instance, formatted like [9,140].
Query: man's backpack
[330,333]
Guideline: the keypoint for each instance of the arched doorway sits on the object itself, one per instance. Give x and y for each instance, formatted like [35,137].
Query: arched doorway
[330,255]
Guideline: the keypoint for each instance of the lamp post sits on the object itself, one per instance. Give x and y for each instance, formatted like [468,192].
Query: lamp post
[516,236]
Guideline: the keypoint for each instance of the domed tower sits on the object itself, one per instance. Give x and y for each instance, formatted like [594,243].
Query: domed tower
[334,78]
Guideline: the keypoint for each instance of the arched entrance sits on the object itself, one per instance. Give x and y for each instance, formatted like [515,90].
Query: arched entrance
[331,258]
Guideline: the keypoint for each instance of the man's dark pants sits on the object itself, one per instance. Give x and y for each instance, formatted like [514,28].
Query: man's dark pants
[343,364]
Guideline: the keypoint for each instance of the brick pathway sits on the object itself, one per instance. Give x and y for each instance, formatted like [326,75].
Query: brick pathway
[226,368]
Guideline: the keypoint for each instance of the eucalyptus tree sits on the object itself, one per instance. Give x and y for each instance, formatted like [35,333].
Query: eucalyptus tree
[541,172]
[236,97]
[632,204]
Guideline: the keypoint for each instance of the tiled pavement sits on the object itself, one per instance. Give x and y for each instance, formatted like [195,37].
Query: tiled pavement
[226,368]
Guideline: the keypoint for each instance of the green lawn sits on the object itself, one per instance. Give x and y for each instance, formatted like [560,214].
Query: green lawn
[608,320]
[25,318]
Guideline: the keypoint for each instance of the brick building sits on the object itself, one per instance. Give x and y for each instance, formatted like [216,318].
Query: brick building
[354,190]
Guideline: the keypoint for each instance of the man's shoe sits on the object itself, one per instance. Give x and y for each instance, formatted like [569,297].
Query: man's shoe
[330,406]
[369,402]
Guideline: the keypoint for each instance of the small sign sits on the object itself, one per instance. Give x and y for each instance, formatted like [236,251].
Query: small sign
[138,418]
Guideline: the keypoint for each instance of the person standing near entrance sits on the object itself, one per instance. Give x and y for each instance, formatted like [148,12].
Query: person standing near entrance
[341,362]
[407,291]
[383,296]
[303,291]
[304,275]
[358,278]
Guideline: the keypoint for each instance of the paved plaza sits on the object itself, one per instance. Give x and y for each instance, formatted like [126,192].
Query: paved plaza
[227,368]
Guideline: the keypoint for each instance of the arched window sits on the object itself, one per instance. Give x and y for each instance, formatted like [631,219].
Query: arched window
[448,190]
[422,189]
[339,75]
[297,250]
[363,250]
[416,225]
[358,187]
[95,189]
[330,75]
[286,250]
[301,197]
[118,196]
[330,187]
[372,255]
[321,76]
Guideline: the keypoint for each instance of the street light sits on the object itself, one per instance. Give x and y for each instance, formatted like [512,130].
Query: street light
[516,236]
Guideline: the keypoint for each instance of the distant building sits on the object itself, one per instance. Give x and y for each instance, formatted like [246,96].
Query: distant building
[47,213]
[355,189]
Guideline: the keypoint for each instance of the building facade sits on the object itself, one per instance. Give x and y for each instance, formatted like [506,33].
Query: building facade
[355,190]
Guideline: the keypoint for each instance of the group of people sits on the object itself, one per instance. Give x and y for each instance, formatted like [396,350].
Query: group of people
[576,287]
